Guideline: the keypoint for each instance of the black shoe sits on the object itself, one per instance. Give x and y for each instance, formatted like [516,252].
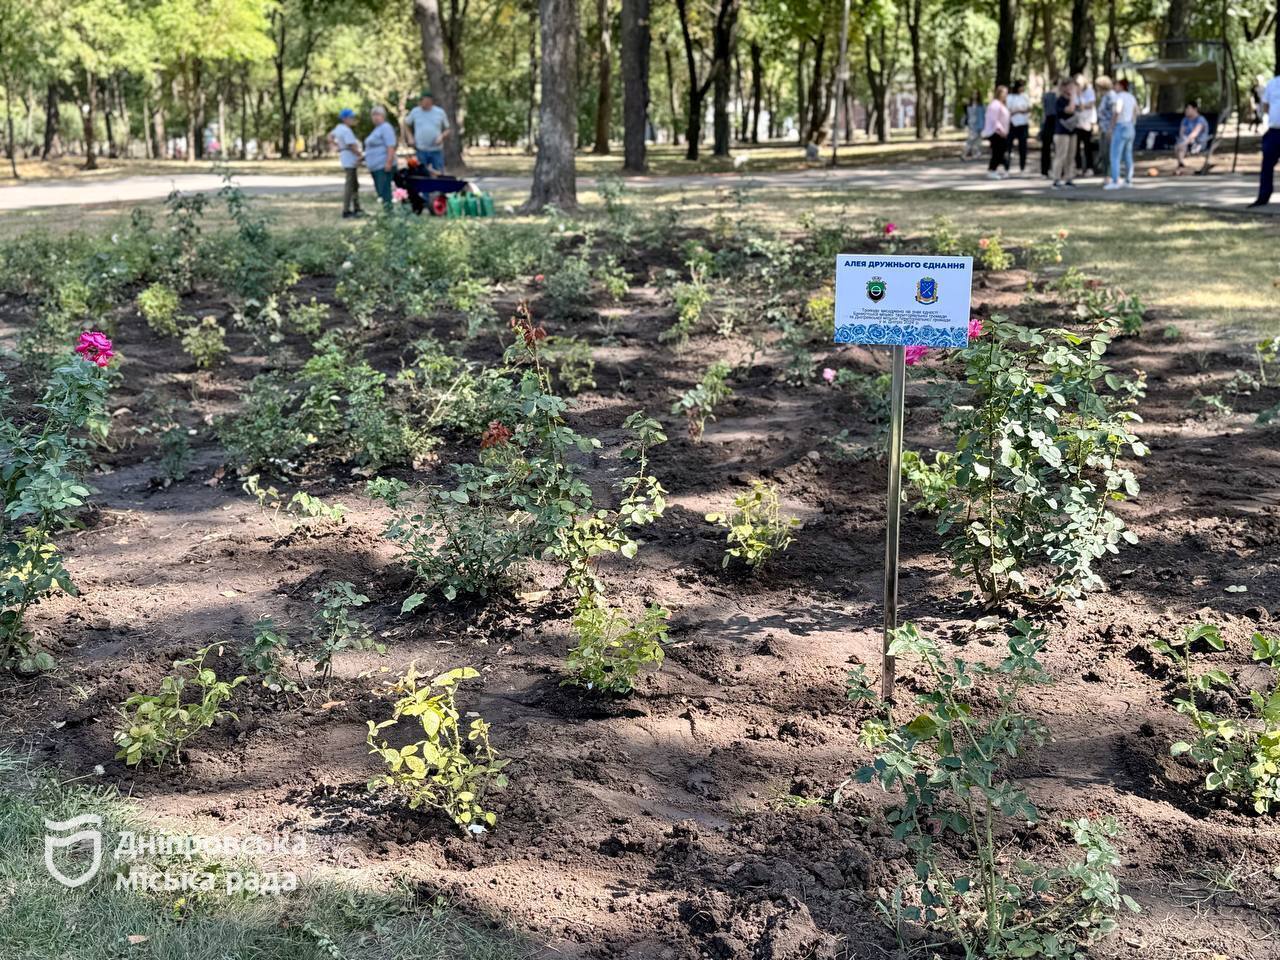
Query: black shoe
[346,215]
[1257,203]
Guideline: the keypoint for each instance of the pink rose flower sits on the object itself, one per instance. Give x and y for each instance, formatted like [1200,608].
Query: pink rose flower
[975,327]
[95,347]
[829,375]
[915,355]
[1062,234]
[538,278]
[984,243]
[890,229]
[399,194]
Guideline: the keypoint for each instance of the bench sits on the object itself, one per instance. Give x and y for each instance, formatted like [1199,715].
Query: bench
[1159,132]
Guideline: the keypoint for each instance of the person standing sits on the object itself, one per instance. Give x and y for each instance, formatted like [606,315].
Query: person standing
[1086,120]
[343,139]
[380,155]
[1019,105]
[1106,103]
[996,129]
[974,117]
[1270,100]
[1124,119]
[1064,125]
[429,126]
[1049,102]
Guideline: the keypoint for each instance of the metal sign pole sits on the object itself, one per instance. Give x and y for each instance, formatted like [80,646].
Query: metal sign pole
[897,403]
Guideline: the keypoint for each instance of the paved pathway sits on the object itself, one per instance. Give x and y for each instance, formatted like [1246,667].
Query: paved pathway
[1223,191]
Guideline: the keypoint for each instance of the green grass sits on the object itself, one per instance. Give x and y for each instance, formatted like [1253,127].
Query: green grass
[325,919]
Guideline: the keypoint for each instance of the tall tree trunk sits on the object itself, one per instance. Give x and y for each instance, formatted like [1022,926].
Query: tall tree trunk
[1176,24]
[697,92]
[244,114]
[157,124]
[554,177]
[802,116]
[90,118]
[8,120]
[635,83]
[604,77]
[1078,52]
[1050,48]
[671,96]
[817,108]
[723,36]
[50,120]
[1006,43]
[443,84]
[757,81]
[915,14]
[533,86]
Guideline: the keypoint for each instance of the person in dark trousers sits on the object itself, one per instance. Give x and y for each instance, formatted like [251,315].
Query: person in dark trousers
[996,129]
[1270,141]
[1064,146]
[1019,105]
[1050,104]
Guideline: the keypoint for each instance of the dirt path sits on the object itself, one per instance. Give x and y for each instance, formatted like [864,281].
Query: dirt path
[1221,191]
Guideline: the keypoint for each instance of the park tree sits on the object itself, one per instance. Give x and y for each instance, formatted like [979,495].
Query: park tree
[442,54]
[636,40]
[722,28]
[604,77]
[554,174]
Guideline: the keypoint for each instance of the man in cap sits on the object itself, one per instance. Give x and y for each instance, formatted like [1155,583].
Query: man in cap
[343,138]
[429,126]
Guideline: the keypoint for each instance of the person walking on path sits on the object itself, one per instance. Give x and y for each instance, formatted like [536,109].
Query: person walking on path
[380,155]
[344,140]
[1193,136]
[1019,105]
[1064,125]
[1106,102]
[1270,98]
[1086,120]
[1123,128]
[429,126]
[1050,104]
[996,129]
[973,120]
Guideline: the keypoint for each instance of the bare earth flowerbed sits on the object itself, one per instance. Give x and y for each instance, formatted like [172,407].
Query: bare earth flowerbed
[693,818]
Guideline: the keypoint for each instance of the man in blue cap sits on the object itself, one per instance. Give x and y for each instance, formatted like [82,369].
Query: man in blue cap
[429,126]
[343,138]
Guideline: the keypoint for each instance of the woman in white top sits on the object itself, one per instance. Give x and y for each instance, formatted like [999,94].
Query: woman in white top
[1019,105]
[1124,117]
[996,129]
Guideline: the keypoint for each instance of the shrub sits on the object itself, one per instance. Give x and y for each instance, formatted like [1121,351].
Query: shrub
[334,410]
[525,497]
[440,391]
[611,649]
[156,726]
[1243,754]
[992,254]
[756,529]
[334,629]
[1038,461]
[568,289]
[946,767]
[573,363]
[205,343]
[698,404]
[264,656]
[158,305]
[175,453]
[451,769]
[691,301]
[42,462]
[931,483]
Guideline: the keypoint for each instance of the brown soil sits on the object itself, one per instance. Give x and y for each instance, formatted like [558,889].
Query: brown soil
[674,823]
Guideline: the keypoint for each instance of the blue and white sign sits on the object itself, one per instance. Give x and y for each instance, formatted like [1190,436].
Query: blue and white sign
[903,300]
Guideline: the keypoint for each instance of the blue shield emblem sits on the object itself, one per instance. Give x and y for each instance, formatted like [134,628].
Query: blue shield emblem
[927,290]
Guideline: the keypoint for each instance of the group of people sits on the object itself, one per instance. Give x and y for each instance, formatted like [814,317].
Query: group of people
[427,125]
[1089,128]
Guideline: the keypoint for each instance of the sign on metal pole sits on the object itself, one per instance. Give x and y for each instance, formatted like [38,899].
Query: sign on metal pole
[900,302]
